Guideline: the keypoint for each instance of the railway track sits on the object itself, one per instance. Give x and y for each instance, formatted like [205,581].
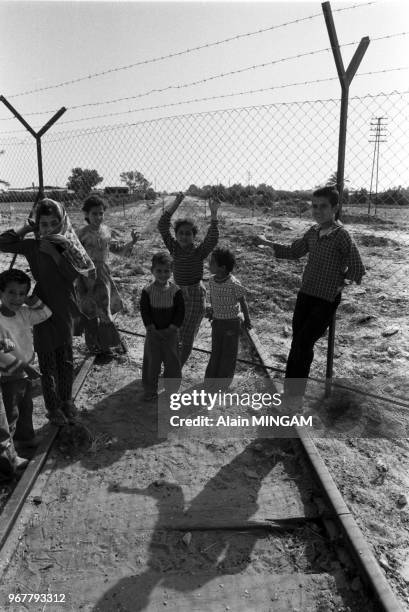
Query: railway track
[18,496]
[283,513]
[345,523]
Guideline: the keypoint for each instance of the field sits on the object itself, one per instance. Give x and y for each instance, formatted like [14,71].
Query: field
[369,459]
[370,467]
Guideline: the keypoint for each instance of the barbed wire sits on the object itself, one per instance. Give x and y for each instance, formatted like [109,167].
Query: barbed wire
[179,53]
[205,99]
[220,75]
[67,134]
[250,91]
[194,83]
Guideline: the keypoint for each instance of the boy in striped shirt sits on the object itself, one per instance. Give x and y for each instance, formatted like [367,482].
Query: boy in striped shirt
[163,310]
[333,258]
[228,307]
[18,314]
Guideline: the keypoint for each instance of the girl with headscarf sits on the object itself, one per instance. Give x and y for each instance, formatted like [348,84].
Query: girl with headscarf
[56,258]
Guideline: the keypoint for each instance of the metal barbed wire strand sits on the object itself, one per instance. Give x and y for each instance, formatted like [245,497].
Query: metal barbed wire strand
[208,98]
[202,81]
[183,52]
[240,93]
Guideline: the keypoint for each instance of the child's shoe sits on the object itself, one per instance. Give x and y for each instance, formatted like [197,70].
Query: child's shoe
[20,463]
[292,404]
[70,411]
[57,418]
[102,358]
[122,348]
[7,469]
[31,443]
[150,397]
[10,464]
[31,372]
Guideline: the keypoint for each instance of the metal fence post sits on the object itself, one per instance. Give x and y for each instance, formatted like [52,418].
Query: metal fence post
[345,79]
[37,136]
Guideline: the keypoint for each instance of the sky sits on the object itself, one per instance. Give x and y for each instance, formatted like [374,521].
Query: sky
[46,44]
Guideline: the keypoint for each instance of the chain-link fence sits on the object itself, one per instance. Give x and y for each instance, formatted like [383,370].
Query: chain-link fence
[265,161]
[287,146]
[267,157]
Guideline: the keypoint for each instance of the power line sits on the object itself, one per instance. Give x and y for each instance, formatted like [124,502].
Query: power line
[204,99]
[179,53]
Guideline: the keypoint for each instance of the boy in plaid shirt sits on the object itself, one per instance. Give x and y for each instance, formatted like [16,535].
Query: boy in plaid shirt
[333,258]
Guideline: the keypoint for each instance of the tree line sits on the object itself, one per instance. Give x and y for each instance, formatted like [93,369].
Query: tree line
[83,181]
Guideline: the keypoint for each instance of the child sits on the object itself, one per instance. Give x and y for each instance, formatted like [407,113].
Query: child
[99,299]
[333,259]
[18,314]
[188,267]
[56,257]
[10,462]
[162,309]
[227,297]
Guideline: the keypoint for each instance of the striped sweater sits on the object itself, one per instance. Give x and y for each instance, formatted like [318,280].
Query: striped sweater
[188,262]
[162,306]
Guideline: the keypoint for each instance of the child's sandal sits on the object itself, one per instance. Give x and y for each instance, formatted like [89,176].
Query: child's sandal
[70,411]
[150,398]
[57,418]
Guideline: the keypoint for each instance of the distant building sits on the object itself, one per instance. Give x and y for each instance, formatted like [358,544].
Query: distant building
[116,191]
[29,194]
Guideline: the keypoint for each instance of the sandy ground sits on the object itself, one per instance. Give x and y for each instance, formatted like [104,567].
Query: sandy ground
[372,351]
[125,520]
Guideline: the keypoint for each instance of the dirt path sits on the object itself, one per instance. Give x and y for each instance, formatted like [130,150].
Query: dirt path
[129,482]
[134,522]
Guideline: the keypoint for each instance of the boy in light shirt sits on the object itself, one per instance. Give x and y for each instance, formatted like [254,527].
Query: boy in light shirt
[10,462]
[18,314]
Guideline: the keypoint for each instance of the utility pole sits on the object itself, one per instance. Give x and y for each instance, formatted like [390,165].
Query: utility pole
[378,135]
[2,152]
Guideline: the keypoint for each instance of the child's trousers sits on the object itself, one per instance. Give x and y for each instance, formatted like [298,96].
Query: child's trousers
[18,403]
[311,318]
[195,305]
[7,451]
[5,437]
[161,346]
[57,376]
[225,346]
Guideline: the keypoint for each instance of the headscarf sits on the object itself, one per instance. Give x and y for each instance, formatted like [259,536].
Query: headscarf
[73,250]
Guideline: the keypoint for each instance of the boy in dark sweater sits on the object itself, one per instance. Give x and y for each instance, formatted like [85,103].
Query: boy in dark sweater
[333,258]
[162,310]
